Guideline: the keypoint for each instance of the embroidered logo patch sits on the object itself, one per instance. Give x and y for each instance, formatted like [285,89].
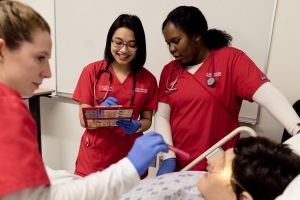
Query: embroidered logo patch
[263,78]
[141,90]
[106,88]
[216,74]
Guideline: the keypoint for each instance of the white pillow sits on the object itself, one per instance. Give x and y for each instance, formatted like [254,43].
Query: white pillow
[294,143]
[292,191]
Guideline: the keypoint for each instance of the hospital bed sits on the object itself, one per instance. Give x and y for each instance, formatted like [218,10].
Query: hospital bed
[179,185]
[182,185]
[238,130]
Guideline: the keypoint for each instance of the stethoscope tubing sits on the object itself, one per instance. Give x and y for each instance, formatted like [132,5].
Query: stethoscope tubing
[106,70]
[171,86]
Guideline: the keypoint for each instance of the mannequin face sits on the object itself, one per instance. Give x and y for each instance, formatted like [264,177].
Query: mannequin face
[25,68]
[216,184]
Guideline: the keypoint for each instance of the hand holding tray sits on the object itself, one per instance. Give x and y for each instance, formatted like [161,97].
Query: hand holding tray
[105,116]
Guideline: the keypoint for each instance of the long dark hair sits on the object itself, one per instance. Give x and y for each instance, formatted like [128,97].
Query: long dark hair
[133,23]
[191,20]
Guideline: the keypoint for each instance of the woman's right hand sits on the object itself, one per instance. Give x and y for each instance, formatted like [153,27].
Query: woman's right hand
[145,149]
[109,101]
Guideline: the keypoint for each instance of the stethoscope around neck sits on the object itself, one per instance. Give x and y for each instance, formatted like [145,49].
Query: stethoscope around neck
[171,85]
[211,81]
[110,77]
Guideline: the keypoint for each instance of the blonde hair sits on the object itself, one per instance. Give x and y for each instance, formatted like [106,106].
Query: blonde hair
[18,22]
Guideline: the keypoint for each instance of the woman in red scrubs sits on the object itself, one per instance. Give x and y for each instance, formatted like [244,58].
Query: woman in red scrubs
[119,79]
[25,50]
[201,91]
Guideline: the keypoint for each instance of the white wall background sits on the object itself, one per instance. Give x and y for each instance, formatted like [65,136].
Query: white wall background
[251,33]
[61,131]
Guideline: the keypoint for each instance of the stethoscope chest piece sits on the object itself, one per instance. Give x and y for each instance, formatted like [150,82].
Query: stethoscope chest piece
[211,81]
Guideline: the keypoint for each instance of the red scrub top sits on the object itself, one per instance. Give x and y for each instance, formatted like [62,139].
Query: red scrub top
[102,147]
[201,115]
[21,164]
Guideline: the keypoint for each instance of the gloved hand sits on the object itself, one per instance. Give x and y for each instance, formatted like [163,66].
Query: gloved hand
[109,101]
[145,149]
[129,126]
[168,166]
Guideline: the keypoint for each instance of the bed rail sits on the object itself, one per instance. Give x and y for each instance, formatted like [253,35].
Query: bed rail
[250,131]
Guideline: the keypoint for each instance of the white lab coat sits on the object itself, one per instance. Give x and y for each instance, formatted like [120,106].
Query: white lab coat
[109,184]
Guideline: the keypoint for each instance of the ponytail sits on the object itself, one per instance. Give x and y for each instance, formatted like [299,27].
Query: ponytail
[216,39]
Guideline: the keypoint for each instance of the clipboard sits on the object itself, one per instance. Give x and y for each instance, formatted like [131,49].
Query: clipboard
[105,116]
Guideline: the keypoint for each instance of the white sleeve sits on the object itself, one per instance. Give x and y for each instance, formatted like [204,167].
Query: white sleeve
[162,126]
[277,105]
[108,184]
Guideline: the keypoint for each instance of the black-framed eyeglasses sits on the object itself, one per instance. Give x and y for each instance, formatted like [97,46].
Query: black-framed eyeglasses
[119,44]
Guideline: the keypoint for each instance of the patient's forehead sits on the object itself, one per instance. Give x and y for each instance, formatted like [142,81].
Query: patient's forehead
[229,154]
[222,159]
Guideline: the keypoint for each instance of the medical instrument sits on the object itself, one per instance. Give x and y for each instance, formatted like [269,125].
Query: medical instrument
[180,152]
[211,81]
[107,71]
[171,85]
[250,131]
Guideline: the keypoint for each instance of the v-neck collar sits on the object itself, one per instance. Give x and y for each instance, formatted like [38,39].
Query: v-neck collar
[117,78]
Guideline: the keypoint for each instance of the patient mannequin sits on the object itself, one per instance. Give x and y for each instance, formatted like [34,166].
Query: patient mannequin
[256,168]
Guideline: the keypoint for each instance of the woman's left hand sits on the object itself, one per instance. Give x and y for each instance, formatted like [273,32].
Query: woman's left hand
[129,126]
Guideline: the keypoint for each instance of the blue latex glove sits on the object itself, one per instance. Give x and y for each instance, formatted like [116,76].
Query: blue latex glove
[109,101]
[129,126]
[168,166]
[145,149]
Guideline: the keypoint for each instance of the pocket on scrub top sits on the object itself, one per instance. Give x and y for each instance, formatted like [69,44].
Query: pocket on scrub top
[90,143]
[90,157]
